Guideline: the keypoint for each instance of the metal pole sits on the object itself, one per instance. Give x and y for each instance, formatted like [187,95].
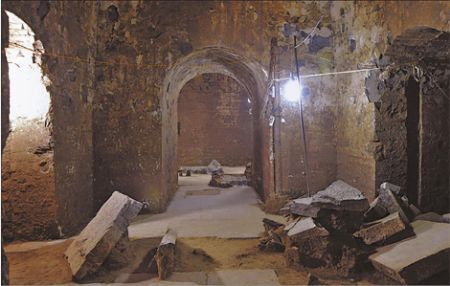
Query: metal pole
[302,121]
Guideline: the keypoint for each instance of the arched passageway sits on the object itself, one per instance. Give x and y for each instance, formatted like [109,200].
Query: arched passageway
[248,74]
[28,186]
[412,120]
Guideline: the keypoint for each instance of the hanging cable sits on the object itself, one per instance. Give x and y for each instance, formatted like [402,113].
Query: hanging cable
[302,121]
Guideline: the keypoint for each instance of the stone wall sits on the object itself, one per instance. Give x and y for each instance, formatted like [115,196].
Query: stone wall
[364,31]
[214,122]
[59,204]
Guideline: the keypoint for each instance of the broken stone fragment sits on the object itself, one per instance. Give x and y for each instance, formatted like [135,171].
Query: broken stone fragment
[91,247]
[431,216]
[393,204]
[306,228]
[340,221]
[165,255]
[394,188]
[303,207]
[375,211]
[340,196]
[215,166]
[271,225]
[415,210]
[417,258]
[446,217]
[382,229]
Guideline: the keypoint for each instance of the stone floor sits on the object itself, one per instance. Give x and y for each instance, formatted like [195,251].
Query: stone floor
[198,210]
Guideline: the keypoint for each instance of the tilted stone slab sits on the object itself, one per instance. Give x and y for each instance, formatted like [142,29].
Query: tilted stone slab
[340,196]
[165,255]
[303,207]
[417,258]
[376,211]
[306,228]
[381,229]
[91,247]
[393,204]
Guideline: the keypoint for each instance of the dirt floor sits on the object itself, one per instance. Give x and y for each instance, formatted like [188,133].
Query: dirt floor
[46,265]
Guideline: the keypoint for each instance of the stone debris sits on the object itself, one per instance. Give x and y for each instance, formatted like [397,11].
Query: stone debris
[375,211]
[306,229]
[248,173]
[414,259]
[393,188]
[92,246]
[431,216]
[393,203]
[340,196]
[446,217]
[165,255]
[274,232]
[303,207]
[327,236]
[215,167]
[227,181]
[414,210]
[381,229]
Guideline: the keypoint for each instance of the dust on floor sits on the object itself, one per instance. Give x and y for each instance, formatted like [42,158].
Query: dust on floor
[46,265]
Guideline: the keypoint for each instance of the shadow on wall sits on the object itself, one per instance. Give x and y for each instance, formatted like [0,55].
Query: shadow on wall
[412,118]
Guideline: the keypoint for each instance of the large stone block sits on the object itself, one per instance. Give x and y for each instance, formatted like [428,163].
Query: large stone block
[417,258]
[95,242]
[393,204]
[340,196]
[303,207]
[381,229]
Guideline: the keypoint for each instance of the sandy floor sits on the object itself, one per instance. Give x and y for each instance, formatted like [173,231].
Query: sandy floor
[198,210]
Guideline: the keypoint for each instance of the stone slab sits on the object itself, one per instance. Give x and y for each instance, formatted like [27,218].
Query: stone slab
[306,228]
[393,204]
[417,258]
[303,207]
[91,247]
[165,256]
[340,196]
[431,216]
[381,229]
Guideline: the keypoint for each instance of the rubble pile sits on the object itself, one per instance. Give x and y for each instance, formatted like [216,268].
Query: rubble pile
[335,233]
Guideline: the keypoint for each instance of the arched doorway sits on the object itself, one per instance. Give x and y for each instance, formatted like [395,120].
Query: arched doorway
[28,186]
[412,118]
[248,74]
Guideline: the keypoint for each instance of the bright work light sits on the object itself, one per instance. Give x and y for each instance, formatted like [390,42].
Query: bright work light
[292,90]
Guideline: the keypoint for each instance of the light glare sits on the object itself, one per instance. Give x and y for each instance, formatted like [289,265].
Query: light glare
[291,90]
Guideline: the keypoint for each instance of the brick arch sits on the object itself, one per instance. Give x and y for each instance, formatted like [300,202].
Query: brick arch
[249,74]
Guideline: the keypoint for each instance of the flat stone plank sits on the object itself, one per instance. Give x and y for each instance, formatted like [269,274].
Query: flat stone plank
[340,196]
[417,258]
[91,247]
[303,207]
[431,216]
[381,229]
[306,228]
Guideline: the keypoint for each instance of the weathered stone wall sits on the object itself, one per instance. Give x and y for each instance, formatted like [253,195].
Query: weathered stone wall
[364,31]
[214,122]
[129,121]
[59,204]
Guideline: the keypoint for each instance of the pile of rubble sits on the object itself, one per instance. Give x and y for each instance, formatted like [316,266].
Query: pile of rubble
[336,233]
